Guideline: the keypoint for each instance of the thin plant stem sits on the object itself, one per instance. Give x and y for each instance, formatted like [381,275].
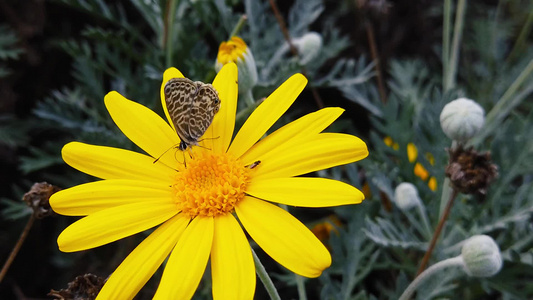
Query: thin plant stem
[504,105]
[437,232]
[238,26]
[300,283]
[283,27]
[169,32]
[457,33]
[446,188]
[248,98]
[17,247]
[446,42]
[520,43]
[375,57]
[424,217]
[450,262]
[245,112]
[293,49]
[265,279]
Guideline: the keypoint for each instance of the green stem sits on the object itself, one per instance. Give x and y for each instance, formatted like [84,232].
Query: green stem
[248,98]
[243,113]
[457,33]
[447,20]
[301,287]
[446,189]
[520,43]
[425,220]
[265,279]
[239,25]
[171,13]
[504,105]
[450,262]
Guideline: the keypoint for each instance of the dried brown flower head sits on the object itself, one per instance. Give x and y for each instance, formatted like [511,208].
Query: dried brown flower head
[37,198]
[469,171]
[84,287]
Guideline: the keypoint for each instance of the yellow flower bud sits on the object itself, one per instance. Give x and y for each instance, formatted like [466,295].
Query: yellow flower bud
[235,50]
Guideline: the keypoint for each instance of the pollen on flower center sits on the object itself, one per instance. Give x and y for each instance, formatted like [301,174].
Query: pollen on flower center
[211,185]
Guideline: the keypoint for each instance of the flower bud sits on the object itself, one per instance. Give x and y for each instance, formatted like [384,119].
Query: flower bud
[406,196]
[461,119]
[481,256]
[308,46]
[235,50]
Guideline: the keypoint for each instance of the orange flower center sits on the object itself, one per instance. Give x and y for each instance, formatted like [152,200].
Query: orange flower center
[211,184]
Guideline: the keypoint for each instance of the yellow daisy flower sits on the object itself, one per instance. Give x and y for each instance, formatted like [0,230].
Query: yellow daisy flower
[235,50]
[197,206]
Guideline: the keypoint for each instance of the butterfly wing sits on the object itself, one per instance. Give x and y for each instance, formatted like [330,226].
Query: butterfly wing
[179,97]
[204,107]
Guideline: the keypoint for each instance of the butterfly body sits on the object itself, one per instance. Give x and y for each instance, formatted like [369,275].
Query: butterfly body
[192,106]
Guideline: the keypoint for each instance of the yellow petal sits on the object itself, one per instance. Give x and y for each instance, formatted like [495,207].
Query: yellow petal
[420,171]
[266,114]
[322,151]
[232,264]
[113,163]
[169,74]
[188,260]
[143,127]
[304,191]
[412,152]
[141,263]
[89,198]
[283,237]
[112,224]
[218,135]
[432,183]
[289,134]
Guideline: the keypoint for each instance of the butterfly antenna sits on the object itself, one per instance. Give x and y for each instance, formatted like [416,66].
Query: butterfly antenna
[157,159]
[184,159]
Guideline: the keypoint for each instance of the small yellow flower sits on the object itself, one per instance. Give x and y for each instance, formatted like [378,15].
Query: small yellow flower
[323,229]
[412,154]
[390,143]
[232,50]
[236,51]
[432,183]
[197,204]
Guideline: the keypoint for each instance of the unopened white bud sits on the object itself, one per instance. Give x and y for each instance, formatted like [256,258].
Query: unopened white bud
[481,256]
[461,119]
[406,196]
[309,46]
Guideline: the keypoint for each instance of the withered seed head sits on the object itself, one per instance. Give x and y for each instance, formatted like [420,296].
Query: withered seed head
[37,198]
[469,171]
[84,287]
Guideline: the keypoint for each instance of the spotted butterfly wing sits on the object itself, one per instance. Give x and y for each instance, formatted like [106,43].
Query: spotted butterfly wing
[192,107]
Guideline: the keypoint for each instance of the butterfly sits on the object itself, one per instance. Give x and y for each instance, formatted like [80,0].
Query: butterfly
[192,105]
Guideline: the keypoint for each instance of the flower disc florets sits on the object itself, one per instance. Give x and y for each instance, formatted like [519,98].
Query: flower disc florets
[211,185]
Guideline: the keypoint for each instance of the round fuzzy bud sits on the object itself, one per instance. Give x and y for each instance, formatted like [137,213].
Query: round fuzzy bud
[308,46]
[482,257]
[406,196]
[461,119]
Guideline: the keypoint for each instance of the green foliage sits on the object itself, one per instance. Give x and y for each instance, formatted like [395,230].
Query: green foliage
[8,48]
